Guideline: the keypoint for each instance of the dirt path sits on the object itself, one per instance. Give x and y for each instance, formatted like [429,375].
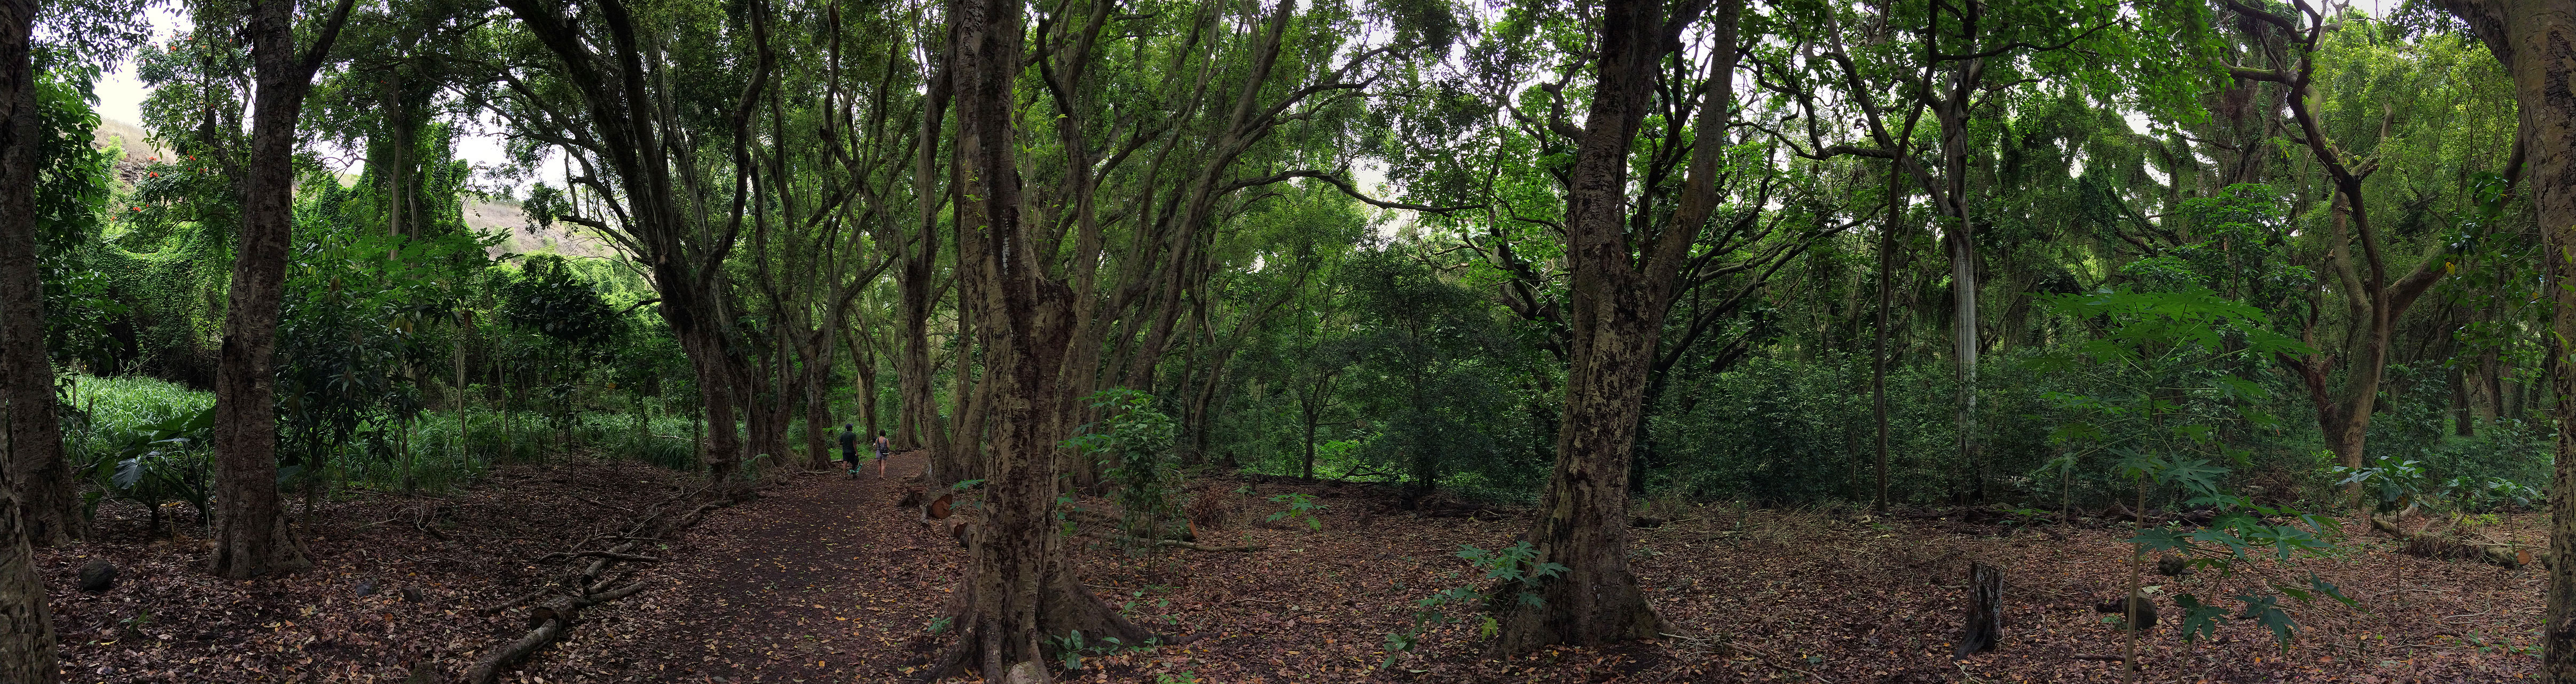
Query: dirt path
[813,582]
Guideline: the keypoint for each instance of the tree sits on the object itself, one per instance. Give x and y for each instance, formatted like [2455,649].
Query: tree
[2536,41]
[47,504]
[1018,589]
[252,537]
[26,628]
[2376,301]
[1623,286]
[588,107]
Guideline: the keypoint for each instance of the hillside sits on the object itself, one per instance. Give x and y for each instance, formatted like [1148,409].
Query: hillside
[481,215]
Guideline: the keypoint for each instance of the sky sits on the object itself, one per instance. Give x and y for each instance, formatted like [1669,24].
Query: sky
[120,97]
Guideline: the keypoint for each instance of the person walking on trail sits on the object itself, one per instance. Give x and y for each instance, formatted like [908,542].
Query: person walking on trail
[883,446]
[850,449]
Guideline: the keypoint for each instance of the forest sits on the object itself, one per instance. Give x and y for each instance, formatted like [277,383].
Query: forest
[1199,341]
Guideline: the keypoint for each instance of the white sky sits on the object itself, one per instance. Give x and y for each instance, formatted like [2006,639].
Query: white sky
[120,97]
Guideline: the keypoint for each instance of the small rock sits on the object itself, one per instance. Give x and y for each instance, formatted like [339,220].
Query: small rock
[97,576]
[1027,672]
[366,587]
[2172,566]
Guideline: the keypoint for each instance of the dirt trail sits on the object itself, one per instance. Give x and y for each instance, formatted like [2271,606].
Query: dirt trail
[813,582]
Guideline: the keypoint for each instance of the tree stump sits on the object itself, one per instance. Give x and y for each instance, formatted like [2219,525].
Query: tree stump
[1985,610]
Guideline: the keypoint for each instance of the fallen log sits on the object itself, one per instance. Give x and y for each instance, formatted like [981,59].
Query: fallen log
[2441,546]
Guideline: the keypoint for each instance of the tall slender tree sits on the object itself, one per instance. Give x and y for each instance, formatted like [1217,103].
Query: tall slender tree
[252,535]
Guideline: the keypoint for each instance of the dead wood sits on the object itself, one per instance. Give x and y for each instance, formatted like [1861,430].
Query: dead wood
[1174,543]
[2441,546]
[573,591]
[560,555]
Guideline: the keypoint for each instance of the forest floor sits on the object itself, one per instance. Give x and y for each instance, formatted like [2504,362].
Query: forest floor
[824,579]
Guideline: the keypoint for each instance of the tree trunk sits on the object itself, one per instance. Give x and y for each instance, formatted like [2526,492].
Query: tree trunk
[1984,626]
[818,414]
[1018,588]
[2464,421]
[252,537]
[2536,41]
[48,502]
[1618,303]
[26,628]
[26,624]
[1878,351]
[919,426]
[864,362]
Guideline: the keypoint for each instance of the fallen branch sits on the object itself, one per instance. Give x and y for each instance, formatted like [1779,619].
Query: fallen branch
[1175,543]
[550,621]
[2103,658]
[583,588]
[560,555]
[606,505]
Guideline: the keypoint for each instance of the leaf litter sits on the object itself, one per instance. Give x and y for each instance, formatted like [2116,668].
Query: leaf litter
[824,579]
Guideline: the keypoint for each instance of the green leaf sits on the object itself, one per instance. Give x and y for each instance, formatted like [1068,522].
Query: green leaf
[2266,611]
[2159,539]
[2198,619]
[2321,586]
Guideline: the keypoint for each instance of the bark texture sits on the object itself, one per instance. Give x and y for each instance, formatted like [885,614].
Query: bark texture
[48,504]
[1622,289]
[1018,589]
[2536,41]
[1984,625]
[26,630]
[252,535]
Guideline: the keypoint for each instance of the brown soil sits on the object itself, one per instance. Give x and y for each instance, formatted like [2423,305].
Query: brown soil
[825,580]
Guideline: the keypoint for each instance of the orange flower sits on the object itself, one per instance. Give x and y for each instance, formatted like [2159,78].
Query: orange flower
[135,208]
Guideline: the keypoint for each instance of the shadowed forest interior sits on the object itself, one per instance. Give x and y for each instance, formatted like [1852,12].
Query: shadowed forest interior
[1195,341]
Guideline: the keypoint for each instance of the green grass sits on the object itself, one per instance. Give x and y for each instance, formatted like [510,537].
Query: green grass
[118,403]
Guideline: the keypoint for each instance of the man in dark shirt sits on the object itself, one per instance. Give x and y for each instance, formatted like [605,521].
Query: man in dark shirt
[850,449]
